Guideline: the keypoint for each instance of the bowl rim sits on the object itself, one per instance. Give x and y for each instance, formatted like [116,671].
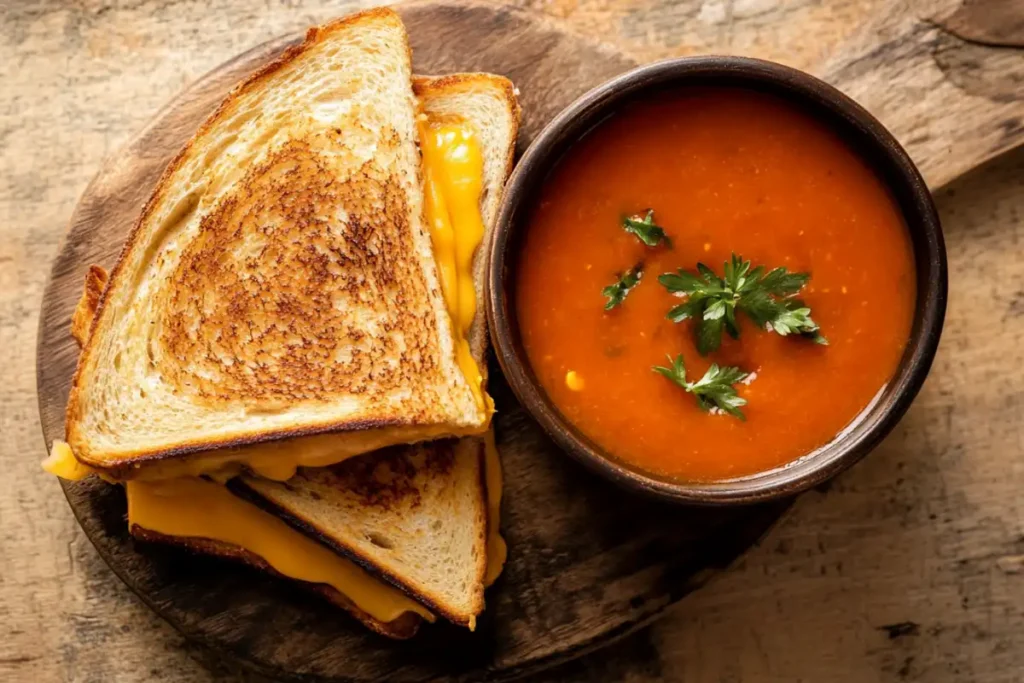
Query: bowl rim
[901,178]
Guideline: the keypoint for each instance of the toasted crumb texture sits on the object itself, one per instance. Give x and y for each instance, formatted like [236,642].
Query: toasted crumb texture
[280,281]
[81,320]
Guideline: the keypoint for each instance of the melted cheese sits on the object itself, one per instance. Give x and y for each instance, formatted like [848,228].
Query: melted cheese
[62,463]
[453,170]
[197,508]
[193,508]
[278,460]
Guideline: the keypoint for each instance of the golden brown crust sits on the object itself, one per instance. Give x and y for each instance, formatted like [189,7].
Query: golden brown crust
[483,521]
[133,465]
[85,312]
[123,465]
[401,628]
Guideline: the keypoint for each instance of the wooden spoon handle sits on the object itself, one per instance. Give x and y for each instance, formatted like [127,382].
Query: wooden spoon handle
[948,81]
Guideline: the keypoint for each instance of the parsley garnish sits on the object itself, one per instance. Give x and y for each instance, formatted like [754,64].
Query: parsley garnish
[713,390]
[765,297]
[645,229]
[627,281]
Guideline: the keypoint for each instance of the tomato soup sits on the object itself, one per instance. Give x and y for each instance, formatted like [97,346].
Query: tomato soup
[725,171]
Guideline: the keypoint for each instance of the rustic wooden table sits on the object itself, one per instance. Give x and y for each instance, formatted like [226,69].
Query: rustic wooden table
[909,567]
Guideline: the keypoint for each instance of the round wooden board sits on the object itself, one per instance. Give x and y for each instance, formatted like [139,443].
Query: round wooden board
[588,562]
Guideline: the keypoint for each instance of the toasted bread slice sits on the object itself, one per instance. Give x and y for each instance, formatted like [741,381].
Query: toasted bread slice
[488,103]
[416,515]
[280,281]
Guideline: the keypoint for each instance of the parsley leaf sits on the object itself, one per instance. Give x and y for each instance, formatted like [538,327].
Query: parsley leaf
[693,308]
[646,230]
[709,336]
[702,293]
[714,390]
[765,297]
[782,283]
[796,319]
[617,292]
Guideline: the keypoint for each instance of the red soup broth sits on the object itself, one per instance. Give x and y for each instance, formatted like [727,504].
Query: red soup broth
[726,170]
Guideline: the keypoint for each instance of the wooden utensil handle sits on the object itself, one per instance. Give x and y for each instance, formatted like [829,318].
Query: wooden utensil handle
[946,78]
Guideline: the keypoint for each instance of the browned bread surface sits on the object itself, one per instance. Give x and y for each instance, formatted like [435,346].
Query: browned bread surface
[280,281]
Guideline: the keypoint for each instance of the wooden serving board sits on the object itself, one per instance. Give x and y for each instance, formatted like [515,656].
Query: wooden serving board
[588,562]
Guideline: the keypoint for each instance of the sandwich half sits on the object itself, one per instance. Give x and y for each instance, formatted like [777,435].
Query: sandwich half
[281,283]
[396,536]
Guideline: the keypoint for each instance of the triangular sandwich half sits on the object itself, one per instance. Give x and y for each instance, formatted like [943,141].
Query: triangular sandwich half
[281,282]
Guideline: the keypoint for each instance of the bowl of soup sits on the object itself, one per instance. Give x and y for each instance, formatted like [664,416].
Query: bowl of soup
[716,280]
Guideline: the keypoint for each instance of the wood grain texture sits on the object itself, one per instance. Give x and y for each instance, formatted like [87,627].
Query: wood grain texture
[926,532]
[587,563]
[953,100]
[992,23]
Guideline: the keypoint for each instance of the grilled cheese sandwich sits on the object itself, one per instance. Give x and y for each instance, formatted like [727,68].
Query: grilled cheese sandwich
[168,501]
[453,182]
[460,109]
[281,281]
[194,508]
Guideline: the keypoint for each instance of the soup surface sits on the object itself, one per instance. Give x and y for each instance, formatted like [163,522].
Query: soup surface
[725,170]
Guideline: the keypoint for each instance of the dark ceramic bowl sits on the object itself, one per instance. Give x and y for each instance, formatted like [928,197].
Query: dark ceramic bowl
[863,132]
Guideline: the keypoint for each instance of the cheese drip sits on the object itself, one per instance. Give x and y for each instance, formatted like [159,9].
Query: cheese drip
[62,463]
[453,182]
[278,460]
